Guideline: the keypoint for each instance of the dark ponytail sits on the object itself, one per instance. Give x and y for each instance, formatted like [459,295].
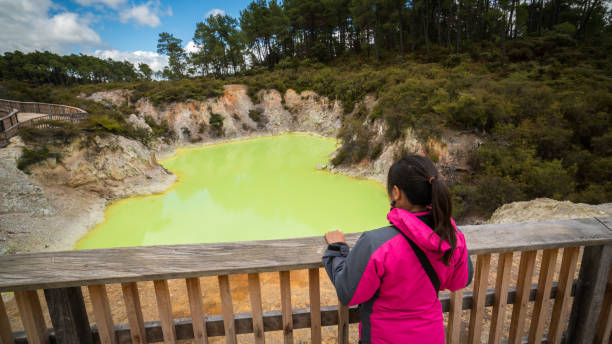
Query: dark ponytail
[418,178]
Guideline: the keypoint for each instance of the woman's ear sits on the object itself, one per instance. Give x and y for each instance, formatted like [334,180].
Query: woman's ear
[396,194]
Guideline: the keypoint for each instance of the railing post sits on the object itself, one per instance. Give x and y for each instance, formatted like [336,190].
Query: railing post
[68,315]
[594,270]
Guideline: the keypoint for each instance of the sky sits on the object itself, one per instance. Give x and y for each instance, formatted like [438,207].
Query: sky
[117,29]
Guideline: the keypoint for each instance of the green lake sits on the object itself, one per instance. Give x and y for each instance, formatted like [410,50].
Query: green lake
[255,189]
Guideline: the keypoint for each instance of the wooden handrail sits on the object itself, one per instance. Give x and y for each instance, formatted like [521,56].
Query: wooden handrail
[147,263]
[35,107]
[12,113]
[51,111]
[63,274]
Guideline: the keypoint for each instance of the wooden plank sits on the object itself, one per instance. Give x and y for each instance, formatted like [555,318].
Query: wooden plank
[194,292]
[286,308]
[480,290]
[273,319]
[164,307]
[519,310]
[68,315]
[604,326]
[130,264]
[314,292]
[256,308]
[561,306]
[6,333]
[343,324]
[453,329]
[504,269]
[134,312]
[228,310]
[32,316]
[102,314]
[592,282]
[540,308]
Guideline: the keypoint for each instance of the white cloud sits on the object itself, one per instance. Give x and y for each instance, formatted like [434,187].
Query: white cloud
[156,61]
[109,3]
[27,26]
[147,13]
[215,12]
[191,47]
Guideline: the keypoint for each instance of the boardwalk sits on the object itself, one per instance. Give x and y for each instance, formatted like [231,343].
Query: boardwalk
[15,114]
[573,285]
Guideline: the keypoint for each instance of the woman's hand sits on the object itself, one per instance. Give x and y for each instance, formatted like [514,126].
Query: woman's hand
[334,236]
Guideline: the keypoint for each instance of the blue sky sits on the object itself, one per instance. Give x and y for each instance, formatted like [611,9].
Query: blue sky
[118,29]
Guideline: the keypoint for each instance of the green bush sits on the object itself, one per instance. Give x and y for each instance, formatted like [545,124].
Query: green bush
[30,157]
[55,132]
[255,115]
[216,125]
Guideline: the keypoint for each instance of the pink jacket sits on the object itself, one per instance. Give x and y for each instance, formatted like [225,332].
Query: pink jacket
[398,302]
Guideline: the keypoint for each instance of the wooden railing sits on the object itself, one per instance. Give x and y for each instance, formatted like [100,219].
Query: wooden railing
[45,108]
[8,125]
[52,112]
[540,311]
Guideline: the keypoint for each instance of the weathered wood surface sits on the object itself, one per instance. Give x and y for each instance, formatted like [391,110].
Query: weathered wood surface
[32,316]
[604,326]
[102,313]
[480,292]
[164,309]
[588,302]
[68,315]
[504,268]
[196,306]
[519,310]
[36,107]
[256,308]
[6,334]
[243,322]
[130,264]
[453,329]
[562,302]
[286,308]
[227,308]
[134,312]
[343,324]
[540,308]
[314,292]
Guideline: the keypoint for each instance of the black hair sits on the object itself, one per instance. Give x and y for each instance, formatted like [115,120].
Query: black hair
[420,182]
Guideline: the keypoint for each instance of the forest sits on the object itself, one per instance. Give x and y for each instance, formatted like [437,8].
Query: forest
[533,79]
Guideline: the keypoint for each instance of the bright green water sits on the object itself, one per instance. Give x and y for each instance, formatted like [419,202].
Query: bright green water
[257,189]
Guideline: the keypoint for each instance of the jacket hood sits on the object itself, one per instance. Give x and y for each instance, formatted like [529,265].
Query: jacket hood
[417,231]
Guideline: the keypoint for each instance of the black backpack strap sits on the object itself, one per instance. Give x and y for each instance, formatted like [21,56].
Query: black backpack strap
[429,269]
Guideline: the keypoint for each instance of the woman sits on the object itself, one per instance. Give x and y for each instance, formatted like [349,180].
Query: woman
[394,273]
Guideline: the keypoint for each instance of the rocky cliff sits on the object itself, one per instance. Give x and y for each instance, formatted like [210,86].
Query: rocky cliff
[61,200]
[272,112]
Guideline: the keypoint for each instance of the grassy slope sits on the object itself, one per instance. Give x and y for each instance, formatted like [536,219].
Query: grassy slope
[545,116]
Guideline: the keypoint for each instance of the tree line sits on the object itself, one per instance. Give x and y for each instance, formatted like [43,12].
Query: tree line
[49,68]
[267,32]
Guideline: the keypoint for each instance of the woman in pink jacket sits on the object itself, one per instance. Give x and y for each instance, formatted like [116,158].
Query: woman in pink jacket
[394,273]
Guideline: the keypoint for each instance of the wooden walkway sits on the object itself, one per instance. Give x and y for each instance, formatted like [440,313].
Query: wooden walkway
[14,114]
[585,302]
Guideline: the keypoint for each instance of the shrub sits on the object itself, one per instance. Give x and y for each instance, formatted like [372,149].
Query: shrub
[30,157]
[216,125]
[56,131]
[255,115]
[161,130]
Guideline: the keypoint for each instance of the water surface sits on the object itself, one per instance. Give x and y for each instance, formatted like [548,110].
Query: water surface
[256,189]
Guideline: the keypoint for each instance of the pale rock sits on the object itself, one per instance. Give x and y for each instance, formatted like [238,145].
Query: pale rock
[542,209]
[138,123]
